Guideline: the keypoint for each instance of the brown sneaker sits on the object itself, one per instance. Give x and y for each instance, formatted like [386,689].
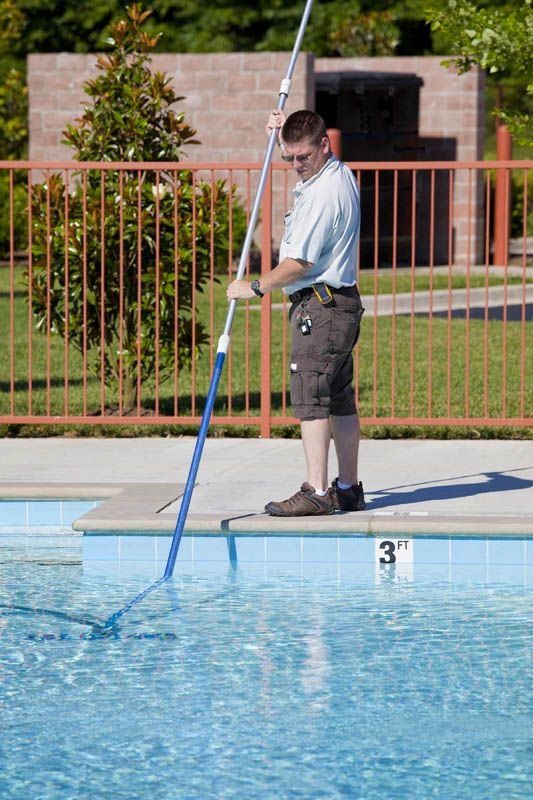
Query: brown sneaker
[352,499]
[305,503]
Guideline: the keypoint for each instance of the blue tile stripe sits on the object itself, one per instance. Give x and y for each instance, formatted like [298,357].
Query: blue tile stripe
[309,549]
[43,512]
[490,556]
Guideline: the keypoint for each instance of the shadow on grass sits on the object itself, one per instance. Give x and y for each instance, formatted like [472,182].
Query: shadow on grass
[38,383]
[238,403]
[240,411]
[440,490]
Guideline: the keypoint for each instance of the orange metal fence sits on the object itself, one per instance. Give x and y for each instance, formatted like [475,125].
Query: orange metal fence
[112,294]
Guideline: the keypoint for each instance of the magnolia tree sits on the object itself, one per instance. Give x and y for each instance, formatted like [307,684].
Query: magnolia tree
[13,131]
[499,40]
[118,276]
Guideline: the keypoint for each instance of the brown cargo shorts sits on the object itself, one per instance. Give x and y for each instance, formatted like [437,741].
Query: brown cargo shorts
[322,361]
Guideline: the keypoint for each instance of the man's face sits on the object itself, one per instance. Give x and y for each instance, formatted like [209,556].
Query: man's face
[307,159]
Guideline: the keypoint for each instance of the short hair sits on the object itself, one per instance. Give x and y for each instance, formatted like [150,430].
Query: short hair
[303,125]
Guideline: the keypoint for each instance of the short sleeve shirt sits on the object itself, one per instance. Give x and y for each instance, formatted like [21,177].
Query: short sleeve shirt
[323,227]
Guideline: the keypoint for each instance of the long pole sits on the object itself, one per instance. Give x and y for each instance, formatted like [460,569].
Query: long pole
[223,342]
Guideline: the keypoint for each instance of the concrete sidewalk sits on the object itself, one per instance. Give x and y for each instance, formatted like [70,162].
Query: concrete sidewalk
[412,486]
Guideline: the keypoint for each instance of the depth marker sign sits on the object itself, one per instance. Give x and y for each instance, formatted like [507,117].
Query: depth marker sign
[394,559]
[394,551]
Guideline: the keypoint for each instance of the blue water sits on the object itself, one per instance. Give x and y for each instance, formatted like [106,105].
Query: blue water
[229,683]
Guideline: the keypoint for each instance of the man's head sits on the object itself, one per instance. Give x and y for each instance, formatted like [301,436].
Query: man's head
[305,143]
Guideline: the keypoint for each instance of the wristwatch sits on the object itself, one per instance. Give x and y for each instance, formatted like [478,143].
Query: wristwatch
[255,286]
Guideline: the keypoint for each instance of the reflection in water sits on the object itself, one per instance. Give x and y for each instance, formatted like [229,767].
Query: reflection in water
[315,667]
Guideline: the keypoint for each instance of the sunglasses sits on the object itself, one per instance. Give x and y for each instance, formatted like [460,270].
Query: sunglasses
[303,159]
[300,159]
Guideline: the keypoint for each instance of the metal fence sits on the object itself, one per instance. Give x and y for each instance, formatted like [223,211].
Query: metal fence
[112,294]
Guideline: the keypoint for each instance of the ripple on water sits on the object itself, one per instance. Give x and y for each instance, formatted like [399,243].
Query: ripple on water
[229,687]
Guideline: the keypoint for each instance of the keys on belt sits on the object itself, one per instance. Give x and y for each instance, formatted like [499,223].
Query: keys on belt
[305,323]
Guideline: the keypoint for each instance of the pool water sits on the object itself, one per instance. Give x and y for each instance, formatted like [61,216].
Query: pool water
[229,682]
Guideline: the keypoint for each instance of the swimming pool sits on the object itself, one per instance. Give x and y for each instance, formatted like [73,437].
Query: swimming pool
[269,667]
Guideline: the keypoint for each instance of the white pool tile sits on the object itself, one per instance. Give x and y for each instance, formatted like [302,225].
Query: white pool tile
[359,549]
[13,512]
[287,549]
[44,512]
[510,551]
[250,548]
[137,548]
[210,548]
[468,551]
[432,551]
[100,548]
[71,510]
[323,549]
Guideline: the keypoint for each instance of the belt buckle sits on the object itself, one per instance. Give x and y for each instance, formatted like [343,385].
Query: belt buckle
[295,297]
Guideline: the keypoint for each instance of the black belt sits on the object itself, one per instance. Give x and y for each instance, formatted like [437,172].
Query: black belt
[302,294]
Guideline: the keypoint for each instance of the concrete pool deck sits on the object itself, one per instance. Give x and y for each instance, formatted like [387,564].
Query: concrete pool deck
[411,486]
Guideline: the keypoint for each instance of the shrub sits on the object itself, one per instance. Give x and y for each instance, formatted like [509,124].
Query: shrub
[177,229]
[13,90]
[20,205]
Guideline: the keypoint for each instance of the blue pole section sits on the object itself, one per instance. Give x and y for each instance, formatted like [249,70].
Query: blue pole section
[114,618]
[224,340]
[195,463]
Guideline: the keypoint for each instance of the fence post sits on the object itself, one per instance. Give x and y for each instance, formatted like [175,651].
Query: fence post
[335,141]
[266,308]
[502,198]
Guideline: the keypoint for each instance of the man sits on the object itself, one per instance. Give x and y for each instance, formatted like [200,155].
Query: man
[317,270]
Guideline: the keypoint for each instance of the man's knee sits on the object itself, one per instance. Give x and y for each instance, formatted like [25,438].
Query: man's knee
[343,405]
[311,388]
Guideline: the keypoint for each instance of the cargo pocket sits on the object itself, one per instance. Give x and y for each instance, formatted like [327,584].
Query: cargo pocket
[311,381]
[345,330]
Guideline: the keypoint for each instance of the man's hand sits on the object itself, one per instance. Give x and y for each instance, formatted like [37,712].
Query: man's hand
[240,290]
[288,271]
[276,121]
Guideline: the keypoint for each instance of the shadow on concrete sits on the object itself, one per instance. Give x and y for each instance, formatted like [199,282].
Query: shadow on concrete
[514,313]
[440,490]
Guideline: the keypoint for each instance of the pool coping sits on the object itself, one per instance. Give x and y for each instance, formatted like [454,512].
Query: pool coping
[139,508]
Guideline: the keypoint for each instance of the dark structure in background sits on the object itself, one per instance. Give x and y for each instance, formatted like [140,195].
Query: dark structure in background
[378,116]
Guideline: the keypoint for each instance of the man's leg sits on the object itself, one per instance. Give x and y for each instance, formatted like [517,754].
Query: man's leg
[316,436]
[345,432]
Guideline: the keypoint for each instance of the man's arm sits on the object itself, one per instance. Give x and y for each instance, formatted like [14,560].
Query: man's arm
[288,271]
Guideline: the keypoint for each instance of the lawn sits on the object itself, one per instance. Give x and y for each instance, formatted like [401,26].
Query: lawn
[417,386]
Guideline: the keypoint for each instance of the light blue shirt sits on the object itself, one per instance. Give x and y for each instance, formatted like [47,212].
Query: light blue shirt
[323,227]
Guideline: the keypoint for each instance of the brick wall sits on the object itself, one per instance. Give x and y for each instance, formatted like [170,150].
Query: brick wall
[228,97]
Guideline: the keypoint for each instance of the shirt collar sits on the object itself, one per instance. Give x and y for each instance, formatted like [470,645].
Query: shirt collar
[301,186]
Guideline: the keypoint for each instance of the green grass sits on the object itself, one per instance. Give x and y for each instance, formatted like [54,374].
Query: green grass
[402,281]
[401,392]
